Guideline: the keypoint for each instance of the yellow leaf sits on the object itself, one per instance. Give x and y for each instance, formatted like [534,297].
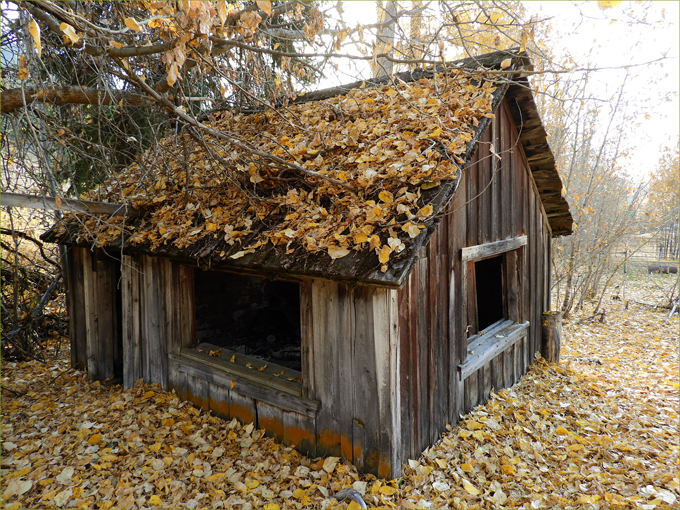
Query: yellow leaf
[95,438]
[353,505]
[467,468]
[388,491]
[330,463]
[375,242]
[232,384]
[298,493]
[253,484]
[132,24]
[148,395]
[411,229]
[384,254]
[168,422]
[437,132]
[34,30]
[279,374]
[470,488]
[508,469]
[426,211]
[155,500]
[506,63]
[386,197]
[430,184]
[70,33]
[266,6]
[607,4]
[271,506]
[233,359]
[360,238]
[337,252]
[562,431]
[473,425]
[211,227]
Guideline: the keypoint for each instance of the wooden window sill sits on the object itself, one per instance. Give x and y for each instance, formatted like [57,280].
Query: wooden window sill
[251,377]
[494,340]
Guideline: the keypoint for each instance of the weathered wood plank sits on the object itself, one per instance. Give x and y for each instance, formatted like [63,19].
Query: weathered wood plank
[386,356]
[422,305]
[366,414]
[488,346]
[77,307]
[243,407]
[399,456]
[260,372]
[299,430]
[198,392]
[498,172]
[406,374]
[132,345]
[219,400]
[307,338]
[89,288]
[245,387]
[270,419]
[177,380]
[186,307]
[333,329]
[494,248]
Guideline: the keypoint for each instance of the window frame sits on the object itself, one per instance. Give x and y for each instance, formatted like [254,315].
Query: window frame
[507,248]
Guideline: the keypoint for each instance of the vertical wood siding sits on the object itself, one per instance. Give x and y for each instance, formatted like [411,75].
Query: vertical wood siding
[98,306]
[354,372]
[496,200]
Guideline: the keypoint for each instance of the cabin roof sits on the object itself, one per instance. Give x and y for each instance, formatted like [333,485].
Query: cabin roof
[358,177]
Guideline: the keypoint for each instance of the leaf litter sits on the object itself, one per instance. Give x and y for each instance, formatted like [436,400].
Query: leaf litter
[334,176]
[576,435]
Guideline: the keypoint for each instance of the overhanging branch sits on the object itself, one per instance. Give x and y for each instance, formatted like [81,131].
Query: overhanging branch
[13,99]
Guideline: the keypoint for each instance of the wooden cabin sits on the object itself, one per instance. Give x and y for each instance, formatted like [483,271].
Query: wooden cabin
[343,356]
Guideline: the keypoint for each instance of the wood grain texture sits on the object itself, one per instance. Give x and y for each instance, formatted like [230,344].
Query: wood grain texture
[76,306]
[131,321]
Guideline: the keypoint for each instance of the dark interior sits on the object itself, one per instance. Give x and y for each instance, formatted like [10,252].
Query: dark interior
[249,315]
[489,287]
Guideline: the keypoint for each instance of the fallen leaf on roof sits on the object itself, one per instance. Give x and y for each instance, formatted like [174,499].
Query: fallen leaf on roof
[208,189]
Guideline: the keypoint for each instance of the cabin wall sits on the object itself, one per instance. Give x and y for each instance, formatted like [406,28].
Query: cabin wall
[496,200]
[380,375]
[352,369]
[93,306]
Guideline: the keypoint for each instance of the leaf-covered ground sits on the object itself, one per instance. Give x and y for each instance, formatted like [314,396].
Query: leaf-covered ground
[598,431]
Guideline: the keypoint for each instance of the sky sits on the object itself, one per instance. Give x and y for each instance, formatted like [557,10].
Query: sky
[629,34]
[611,39]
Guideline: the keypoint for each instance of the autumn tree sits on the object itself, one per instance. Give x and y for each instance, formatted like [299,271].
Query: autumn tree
[663,203]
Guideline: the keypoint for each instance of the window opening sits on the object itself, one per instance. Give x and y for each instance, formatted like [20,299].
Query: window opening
[489,291]
[249,315]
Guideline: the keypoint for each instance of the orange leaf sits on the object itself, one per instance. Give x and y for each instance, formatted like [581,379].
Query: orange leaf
[266,6]
[384,254]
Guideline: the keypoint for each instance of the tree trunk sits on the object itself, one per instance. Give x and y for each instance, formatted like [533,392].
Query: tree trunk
[387,16]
